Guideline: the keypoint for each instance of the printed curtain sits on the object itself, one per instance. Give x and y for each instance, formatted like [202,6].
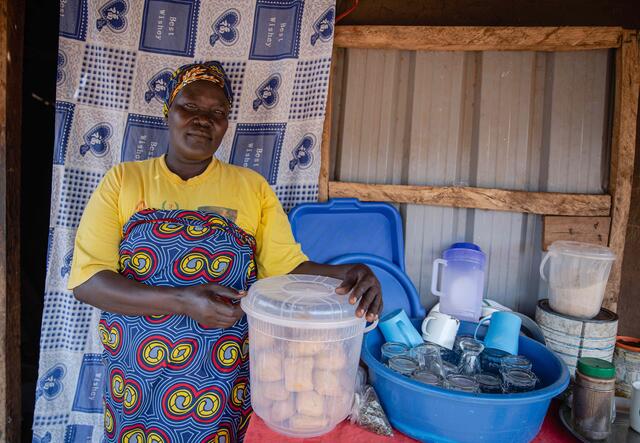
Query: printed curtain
[114,60]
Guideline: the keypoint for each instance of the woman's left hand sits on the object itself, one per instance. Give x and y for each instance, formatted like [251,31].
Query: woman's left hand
[356,277]
[366,288]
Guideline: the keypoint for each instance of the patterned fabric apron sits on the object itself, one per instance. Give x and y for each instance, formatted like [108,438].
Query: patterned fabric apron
[171,379]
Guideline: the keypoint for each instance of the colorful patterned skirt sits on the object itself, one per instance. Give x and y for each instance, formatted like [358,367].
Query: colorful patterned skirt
[171,379]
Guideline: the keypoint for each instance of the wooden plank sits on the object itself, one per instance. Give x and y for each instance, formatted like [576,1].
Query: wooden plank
[325,152]
[477,38]
[550,203]
[623,145]
[11,34]
[583,229]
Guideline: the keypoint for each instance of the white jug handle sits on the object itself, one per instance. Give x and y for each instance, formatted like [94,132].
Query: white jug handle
[371,327]
[435,276]
[542,263]
[487,318]
[425,322]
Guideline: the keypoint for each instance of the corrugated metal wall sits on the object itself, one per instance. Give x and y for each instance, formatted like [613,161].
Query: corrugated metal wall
[515,120]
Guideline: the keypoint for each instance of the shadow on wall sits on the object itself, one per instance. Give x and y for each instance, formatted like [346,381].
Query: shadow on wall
[38,99]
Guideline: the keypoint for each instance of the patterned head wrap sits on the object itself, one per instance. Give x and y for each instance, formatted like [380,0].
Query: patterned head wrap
[210,71]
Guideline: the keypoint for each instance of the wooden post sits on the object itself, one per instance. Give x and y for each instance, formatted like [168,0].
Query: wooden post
[325,152]
[623,146]
[11,33]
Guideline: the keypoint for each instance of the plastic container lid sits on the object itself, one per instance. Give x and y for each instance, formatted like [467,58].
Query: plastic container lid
[628,343]
[307,301]
[465,252]
[465,245]
[579,249]
[596,367]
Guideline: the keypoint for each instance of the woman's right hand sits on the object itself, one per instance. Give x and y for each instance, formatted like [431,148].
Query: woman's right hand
[212,305]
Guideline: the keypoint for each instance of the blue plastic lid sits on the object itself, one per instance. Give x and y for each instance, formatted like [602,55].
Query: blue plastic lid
[465,252]
[348,226]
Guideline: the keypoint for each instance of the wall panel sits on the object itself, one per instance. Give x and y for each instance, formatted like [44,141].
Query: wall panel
[515,120]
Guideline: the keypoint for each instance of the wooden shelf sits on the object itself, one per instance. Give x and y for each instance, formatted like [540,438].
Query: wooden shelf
[477,38]
[548,203]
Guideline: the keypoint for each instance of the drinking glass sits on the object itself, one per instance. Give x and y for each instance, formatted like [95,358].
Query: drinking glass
[427,377]
[491,360]
[449,368]
[428,356]
[509,362]
[489,383]
[518,380]
[469,361]
[464,383]
[393,349]
[404,365]
[450,355]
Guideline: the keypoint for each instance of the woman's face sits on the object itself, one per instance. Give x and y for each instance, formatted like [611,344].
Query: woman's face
[197,121]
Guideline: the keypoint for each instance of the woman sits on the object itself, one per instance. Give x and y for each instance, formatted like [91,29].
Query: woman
[154,253]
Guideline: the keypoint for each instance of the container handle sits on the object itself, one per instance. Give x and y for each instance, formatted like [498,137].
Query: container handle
[542,263]
[435,276]
[475,333]
[371,327]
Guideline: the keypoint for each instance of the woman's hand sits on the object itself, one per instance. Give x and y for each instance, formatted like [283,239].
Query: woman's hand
[365,286]
[356,277]
[212,305]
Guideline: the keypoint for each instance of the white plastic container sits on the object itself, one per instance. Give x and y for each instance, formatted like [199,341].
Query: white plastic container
[578,274]
[304,342]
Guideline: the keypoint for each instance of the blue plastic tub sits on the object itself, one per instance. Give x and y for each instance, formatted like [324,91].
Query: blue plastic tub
[437,415]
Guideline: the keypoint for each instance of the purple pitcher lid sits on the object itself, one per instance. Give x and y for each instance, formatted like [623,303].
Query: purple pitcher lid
[466,252]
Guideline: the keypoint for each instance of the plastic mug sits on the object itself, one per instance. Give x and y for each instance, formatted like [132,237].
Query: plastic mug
[634,410]
[396,327]
[440,329]
[503,333]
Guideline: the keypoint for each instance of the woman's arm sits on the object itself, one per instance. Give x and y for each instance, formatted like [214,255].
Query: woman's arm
[356,277]
[208,304]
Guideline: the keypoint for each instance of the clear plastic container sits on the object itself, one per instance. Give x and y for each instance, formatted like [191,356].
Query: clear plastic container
[578,274]
[304,342]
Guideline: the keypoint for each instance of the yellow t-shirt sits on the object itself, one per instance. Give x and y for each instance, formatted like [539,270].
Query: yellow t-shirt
[232,191]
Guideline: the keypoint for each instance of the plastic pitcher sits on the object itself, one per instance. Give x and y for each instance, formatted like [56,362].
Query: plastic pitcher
[461,273]
[578,274]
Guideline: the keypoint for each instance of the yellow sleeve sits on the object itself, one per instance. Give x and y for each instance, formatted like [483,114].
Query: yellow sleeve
[277,252]
[100,231]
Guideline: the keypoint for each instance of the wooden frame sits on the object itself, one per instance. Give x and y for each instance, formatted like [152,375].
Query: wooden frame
[472,38]
[11,32]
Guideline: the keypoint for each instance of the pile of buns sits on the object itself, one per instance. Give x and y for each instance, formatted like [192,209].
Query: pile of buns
[300,385]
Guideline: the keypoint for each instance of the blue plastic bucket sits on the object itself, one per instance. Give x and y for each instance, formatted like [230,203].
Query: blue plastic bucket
[431,414]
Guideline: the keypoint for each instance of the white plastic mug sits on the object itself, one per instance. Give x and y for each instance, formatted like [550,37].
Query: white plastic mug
[634,410]
[440,329]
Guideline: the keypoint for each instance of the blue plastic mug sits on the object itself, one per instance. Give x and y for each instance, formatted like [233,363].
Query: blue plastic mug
[503,333]
[397,327]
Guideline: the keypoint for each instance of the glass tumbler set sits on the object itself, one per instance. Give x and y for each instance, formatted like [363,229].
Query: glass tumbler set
[469,367]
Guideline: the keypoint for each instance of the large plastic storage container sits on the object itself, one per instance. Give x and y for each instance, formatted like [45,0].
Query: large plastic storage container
[434,414]
[578,275]
[304,343]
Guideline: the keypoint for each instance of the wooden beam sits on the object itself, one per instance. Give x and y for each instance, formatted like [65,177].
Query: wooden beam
[627,87]
[480,198]
[477,38]
[325,153]
[11,33]
[583,229]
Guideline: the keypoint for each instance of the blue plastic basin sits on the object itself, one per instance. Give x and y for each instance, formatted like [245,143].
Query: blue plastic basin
[433,414]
